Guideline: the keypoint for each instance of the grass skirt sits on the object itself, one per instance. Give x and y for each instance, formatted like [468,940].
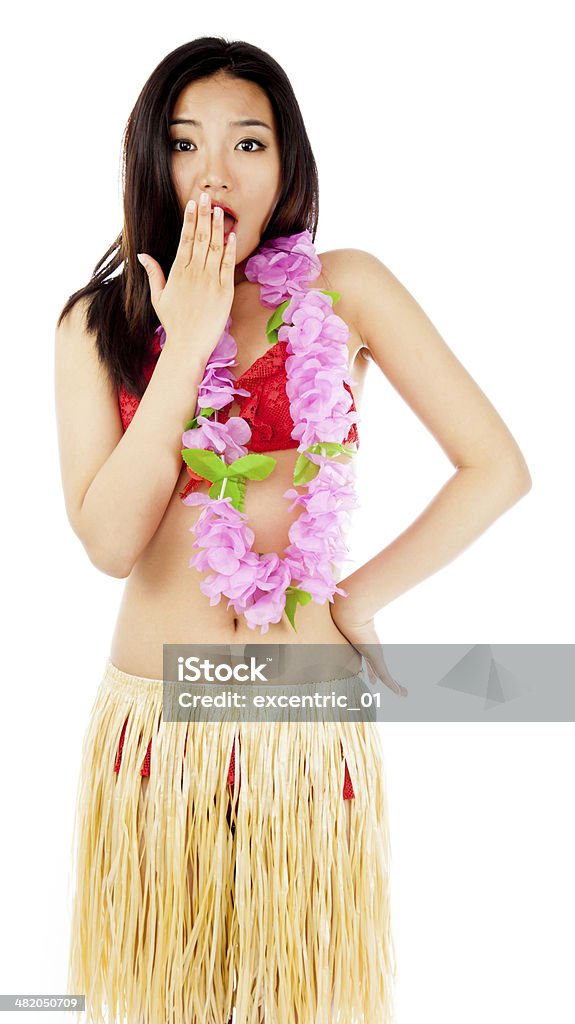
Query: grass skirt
[192,897]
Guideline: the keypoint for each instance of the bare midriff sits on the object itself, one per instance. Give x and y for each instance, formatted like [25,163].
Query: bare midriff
[162,602]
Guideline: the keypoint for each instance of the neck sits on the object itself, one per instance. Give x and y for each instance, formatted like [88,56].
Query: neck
[239,272]
[239,275]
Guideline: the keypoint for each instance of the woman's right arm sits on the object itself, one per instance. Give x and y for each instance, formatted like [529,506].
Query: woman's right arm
[117,485]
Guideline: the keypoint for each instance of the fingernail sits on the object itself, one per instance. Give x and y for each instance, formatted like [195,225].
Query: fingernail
[142,260]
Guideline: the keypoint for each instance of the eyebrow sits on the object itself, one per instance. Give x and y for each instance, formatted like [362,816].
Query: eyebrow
[245,123]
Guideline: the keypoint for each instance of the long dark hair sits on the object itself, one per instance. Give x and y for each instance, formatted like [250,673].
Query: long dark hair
[120,312]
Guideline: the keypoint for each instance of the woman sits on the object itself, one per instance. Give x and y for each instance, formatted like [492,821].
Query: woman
[196,893]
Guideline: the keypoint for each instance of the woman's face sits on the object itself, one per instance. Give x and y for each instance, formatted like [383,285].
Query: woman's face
[237,165]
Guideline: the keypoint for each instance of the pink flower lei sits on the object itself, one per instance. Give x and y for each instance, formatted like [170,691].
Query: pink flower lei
[262,586]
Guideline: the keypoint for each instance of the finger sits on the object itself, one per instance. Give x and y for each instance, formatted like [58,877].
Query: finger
[228,264]
[185,247]
[216,246]
[155,274]
[203,231]
[378,672]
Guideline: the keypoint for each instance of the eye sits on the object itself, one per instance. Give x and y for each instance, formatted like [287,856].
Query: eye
[244,141]
[185,142]
[177,142]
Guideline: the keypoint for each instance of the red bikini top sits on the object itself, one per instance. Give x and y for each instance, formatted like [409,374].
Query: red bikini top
[266,408]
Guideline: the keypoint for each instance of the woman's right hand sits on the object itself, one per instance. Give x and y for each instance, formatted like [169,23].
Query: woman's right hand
[194,304]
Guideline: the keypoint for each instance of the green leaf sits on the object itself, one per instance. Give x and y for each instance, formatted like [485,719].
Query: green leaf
[275,321]
[205,462]
[191,424]
[330,448]
[231,491]
[254,466]
[295,596]
[213,467]
[241,484]
[305,469]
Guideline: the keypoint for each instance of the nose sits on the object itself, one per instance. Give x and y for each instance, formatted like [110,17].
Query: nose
[214,175]
[213,187]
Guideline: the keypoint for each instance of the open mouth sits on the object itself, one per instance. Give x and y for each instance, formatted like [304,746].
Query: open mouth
[229,220]
[229,223]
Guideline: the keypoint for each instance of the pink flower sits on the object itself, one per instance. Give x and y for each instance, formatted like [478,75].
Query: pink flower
[312,576]
[217,387]
[316,369]
[226,439]
[282,267]
[224,542]
[272,580]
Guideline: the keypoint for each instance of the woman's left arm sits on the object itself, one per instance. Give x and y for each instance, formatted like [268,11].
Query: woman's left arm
[490,471]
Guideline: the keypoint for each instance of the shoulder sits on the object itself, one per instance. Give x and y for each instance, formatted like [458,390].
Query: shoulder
[342,266]
[356,274]
[75,320]
[348,261]
[76,348]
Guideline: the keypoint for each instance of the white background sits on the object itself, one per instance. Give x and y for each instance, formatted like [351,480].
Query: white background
[442,134]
